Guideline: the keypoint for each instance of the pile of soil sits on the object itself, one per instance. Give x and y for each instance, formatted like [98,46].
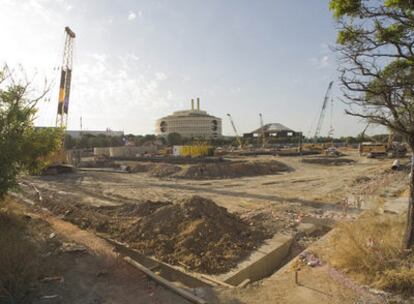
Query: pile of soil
[131,210]
[328,161]
[216,170]
[141,167]
[233,169]
[195,233]
[163,170]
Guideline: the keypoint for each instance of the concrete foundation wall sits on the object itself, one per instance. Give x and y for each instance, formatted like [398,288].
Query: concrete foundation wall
[261,263]
[101,151]
[264,266]
[131,151]
[124,151]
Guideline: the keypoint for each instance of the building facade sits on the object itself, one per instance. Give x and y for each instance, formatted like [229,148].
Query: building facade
[193,123]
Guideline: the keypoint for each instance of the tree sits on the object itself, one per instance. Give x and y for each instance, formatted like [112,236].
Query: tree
[174,139]
[376,46]
[22,147]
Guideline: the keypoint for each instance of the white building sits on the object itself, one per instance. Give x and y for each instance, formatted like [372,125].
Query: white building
[192,123]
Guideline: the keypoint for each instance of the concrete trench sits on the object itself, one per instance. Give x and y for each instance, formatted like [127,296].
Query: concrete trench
[262,263]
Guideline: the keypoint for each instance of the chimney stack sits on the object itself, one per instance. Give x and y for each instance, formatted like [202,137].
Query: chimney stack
[198,103]
[192,104]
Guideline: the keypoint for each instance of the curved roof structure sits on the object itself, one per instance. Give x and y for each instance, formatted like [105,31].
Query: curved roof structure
[273,127]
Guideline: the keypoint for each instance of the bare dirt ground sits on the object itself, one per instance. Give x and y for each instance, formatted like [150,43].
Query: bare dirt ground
[77,267]
[308,189]
[309,192]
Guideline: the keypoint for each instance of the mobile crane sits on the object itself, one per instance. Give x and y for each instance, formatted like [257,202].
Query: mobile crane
[239,141]
[58,161]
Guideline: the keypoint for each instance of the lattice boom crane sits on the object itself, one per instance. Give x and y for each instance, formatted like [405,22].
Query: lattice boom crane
[235,131]
[323,111]
[65,79]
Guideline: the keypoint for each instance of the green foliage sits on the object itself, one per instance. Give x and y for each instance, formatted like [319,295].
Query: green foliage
[37,144]
[375,41]
[387,22]
[21,146]
[174,139]
[342,8]
[393,32]
[88,141]
[402,4]
[348,36]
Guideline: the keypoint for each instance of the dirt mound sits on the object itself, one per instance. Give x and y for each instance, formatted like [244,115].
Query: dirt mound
[213,170]
[162,170]
[233,169]
[328,161]
[140,167]
[195,233]
[219,170]
[130,210]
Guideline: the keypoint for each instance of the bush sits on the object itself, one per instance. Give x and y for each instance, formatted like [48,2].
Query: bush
[18,260]
[370,249]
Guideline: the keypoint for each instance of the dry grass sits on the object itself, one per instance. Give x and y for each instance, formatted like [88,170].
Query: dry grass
[370,249]
[18,262]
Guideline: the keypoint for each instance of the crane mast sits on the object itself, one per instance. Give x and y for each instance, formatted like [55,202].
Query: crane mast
[65,79]
[323,111]
[262,130]
[235,131]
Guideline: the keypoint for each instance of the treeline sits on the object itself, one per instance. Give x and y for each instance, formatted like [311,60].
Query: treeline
[87,141]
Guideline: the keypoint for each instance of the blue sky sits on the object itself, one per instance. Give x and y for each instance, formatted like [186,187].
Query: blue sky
[136,61]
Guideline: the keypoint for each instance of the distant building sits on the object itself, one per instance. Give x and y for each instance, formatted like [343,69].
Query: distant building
[272,130]
[192,123]
[107,132]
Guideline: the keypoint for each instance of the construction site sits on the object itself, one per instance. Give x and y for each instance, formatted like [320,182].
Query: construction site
[187,218]
[213,227]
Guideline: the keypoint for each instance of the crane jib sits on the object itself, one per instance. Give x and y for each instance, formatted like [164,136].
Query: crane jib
[65,79]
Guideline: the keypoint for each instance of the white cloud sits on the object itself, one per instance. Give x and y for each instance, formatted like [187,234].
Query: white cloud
[160,76]
[117,92]
[131,15]
[320,62]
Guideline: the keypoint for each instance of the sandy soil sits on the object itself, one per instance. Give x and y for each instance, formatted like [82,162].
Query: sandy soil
[310,192]
[92,274]
[308,187]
